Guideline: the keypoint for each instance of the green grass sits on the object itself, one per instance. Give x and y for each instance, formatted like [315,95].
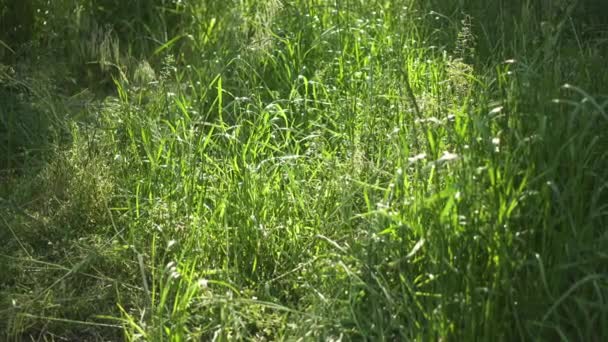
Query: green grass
[305,170]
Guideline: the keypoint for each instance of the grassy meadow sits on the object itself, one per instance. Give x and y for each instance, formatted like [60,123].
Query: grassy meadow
[303,170]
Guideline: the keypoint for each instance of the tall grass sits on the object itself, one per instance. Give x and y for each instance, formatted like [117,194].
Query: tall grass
[305,170]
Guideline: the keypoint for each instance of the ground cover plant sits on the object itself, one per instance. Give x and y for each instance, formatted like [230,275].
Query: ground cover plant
[303,170]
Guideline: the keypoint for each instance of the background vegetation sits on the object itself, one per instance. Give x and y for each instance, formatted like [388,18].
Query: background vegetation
[303,170]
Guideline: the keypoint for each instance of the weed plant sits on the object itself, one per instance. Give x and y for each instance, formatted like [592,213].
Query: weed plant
[305,170]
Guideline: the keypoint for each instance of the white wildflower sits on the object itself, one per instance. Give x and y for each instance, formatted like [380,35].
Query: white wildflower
[417,157]
[447,157]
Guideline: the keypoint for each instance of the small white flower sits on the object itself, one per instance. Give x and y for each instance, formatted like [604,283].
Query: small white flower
[420,156]
[447,157]
[496,110]
[496,143]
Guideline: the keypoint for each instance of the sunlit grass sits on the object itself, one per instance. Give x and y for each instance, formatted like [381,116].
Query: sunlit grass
[308,170]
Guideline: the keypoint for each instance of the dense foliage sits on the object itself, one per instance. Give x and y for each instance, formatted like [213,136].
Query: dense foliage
[305,169]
